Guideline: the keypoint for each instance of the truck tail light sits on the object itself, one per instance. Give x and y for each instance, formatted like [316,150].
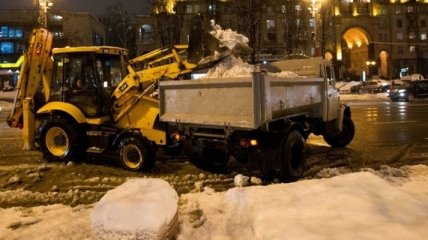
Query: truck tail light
[246,143]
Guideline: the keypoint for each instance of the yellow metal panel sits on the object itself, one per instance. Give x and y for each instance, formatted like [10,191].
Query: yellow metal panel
[68,108]
[142,116]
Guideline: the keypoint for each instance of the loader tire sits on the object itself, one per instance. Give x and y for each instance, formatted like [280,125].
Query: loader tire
[61,140]
[292,156]
[344,137]
[136,154]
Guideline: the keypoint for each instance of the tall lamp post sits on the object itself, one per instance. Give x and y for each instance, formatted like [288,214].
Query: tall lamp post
[44,5]
[315,8]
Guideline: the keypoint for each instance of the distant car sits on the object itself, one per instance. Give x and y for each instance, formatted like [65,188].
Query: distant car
[366,87]
[410,91]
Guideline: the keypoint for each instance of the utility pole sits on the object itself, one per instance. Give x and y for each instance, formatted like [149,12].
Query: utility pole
[44,5]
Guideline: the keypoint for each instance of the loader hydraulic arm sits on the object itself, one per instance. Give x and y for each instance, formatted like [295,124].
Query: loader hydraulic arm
[35,68]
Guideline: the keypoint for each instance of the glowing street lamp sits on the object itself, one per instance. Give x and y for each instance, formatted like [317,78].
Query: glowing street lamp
[314,9]
[44,5]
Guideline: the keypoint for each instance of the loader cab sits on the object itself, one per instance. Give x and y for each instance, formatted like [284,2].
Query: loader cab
[86,77]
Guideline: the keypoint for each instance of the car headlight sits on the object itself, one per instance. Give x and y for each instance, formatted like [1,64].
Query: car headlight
[401,90]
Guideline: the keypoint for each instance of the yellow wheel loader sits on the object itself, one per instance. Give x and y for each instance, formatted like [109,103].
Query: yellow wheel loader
[75,101]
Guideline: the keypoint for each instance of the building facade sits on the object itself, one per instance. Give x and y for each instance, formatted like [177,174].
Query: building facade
[387,38]
[68,29]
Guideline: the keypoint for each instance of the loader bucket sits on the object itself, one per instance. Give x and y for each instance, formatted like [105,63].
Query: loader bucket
[203,47]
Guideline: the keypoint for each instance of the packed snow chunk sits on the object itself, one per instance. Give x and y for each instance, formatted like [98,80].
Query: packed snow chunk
[138,209]
[230,67]
[228,38]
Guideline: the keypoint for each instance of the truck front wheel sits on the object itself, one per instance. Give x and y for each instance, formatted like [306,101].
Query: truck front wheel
[293,156]
[344,137]
[61,140]
[136,154]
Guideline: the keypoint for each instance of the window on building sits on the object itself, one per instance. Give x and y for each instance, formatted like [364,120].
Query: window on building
[6,48]
[58,34]
[399,36]
[55,18]
[189,9]
[97,39]
[270,24]
[311,23]
[11,32]
[399,23]
[146,34]
[269,9]
[423,36]
[271,37]
[412,35]
[212,7]
[412,48]
[411,9]
[398,10]
[400,50]
[423,23]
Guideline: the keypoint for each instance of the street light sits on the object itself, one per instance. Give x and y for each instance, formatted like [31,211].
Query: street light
[314,9]
[44,5]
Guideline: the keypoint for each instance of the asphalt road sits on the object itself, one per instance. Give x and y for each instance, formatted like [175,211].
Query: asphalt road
[387,133]
[394,133]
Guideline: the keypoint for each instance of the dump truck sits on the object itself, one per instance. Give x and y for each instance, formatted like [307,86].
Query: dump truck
[260,118]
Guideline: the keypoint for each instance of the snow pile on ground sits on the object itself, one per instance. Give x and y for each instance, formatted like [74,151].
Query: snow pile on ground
[389,203]
[138,209]
[352,206]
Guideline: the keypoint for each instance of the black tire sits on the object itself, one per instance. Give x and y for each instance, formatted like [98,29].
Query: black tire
[293,156]
[136,154]
[61,139]
[410,98]
[344,137]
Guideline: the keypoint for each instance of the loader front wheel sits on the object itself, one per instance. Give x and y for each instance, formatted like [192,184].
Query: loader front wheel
[61,140]
[136,154]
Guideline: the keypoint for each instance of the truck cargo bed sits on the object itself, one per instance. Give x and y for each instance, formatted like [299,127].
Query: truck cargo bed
[244,103]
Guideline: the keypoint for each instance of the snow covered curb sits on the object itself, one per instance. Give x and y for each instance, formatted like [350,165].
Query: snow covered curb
[389,203]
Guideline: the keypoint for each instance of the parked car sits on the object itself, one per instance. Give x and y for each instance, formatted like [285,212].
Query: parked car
[410,91]
[366,87]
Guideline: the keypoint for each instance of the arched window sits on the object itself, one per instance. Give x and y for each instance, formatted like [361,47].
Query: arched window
[146,33]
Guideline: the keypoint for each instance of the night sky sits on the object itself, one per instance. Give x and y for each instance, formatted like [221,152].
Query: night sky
[93,6]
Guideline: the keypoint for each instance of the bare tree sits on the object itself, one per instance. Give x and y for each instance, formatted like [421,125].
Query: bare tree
[249,22]
[294,16]
[120,28]
[168,22]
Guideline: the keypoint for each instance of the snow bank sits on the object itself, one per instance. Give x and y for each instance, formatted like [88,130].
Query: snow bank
[388,203]
[138,209]
[352,206]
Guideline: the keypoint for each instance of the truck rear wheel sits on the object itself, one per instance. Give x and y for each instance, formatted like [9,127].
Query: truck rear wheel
[344,137]
[61,140]
[136,154]
[293,156]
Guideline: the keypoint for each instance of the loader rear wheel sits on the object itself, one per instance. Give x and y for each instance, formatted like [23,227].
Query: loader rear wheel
[61,140]
[344,137]
[136,154]
[293,156]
